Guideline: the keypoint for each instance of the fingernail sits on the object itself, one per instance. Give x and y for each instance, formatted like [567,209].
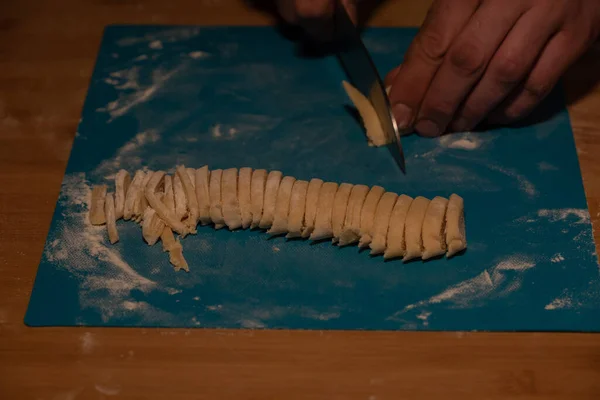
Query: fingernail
[427,128]
[403,115]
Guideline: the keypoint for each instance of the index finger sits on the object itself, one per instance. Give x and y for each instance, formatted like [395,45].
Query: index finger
[445,20]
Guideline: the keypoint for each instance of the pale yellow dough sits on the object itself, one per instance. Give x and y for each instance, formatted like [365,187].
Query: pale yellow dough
[310,211]
[202,194]
[297,207]
[413,227]
[244,189]
[396,244]
[323,228]
[97,212]
[367,215]
[257,195]
[216,205]
[375,133]
[111,219]
[433,232]
[455,226]
[231,204]
[270,199]
[351,231]
[381,223]
[340,207]
[282,206]
[122,182]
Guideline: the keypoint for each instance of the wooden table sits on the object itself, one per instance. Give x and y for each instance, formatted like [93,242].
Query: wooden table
[47,51]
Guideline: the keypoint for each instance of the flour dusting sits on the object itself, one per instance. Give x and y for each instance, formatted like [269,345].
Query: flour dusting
[524,183]
[562,214]
[462,141]
[501,280]
[137,92]
[155,45]
[198,54]
[82,249]
[560,303]
[127,157]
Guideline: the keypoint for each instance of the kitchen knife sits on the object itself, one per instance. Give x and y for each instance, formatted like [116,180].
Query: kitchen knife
[363,75]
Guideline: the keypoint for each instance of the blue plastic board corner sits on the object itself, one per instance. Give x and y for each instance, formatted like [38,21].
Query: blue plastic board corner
[235,97]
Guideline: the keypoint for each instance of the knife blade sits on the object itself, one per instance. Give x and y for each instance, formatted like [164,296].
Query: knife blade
[362,73]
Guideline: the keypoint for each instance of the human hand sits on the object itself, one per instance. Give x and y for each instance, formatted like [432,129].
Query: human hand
[313,15]
[493,60]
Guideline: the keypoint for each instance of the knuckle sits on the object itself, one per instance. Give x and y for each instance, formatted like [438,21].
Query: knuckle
[468,59]
[432,45]
[311,9]
[509,71]
[439,111]
[537,90]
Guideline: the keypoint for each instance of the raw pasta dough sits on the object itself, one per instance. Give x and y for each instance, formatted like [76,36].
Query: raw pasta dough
[434,241]
[396,244]
[297,207]
[375,134]
[414,224]
[455,226]
[381,222]
[282,207]
[231,205]
[97,212]
[323,228]
[310,213]
[396,226]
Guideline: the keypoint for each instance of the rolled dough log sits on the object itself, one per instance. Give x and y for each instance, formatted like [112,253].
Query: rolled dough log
[351,231]
[367,215]
[231,204]
[97,212]
[340,206]
[244,186]
[203,195]
[310,213]
[282,207]
[297,207]
[216,207]
[396,244]
[323,227]
[270,199]
[381,222]
[434,228]
[413,228]
[455,226]
[257,195]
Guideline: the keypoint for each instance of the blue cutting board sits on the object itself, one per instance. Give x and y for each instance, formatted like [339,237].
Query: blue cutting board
[233,97]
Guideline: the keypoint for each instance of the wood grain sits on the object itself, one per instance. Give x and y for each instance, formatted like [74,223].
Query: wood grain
[47,52]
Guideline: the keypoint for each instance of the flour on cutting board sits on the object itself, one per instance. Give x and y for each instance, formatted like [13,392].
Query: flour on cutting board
[78,247]
[499,281]
[139,92]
